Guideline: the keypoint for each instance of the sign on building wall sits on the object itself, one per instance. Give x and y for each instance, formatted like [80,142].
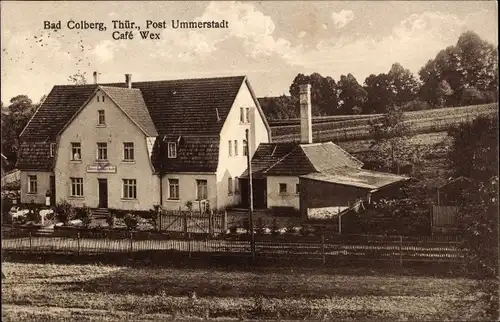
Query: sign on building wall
[97,168]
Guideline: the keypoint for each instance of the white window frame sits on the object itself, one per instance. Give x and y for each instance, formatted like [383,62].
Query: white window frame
[173,183]
[247,114]
[76,148]
[102,146]
[245,148]
[128,151]
[99,114]
[236,147]
[172,150]
[76,187]
[230,147]
[52,149]
[129,189]
[236,185]
[229,186]
[201,194]
[32,184]
[242,115]
[283,191]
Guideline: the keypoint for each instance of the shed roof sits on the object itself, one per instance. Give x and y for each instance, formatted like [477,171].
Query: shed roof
[360,178]
[293,159]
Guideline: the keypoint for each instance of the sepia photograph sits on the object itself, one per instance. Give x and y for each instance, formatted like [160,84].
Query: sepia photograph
[249,161]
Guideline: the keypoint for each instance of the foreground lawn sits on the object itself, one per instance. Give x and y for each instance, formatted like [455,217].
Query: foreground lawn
[56,292]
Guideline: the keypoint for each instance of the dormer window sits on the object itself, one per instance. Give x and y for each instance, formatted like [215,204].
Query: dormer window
[101,118]
[172,150]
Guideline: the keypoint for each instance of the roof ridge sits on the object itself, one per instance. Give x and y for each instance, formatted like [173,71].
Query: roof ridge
[153,81]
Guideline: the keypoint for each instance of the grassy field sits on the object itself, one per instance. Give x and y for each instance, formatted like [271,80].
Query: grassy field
[57,292]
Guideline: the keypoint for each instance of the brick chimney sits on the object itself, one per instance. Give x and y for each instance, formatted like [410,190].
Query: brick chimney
[128,80]
[95,78]
[305,114]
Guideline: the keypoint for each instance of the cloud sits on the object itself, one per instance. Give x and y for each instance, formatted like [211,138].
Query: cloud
[105,50]
[342,18]
[301,34]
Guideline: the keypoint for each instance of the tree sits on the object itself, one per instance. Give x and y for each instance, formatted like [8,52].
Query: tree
[352,96]
[403,83]
[471,63]
[14,119]
[324,93]
[279,108]
[78,78]
[390,136]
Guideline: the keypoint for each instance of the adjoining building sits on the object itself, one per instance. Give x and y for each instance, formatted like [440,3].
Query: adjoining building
[134,145]
[310,176]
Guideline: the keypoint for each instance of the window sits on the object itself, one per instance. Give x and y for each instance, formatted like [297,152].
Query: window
[229,186]
[245,148]
[297,188]
[242,115]
[52,149]
[172,150]
[235,147]
[128,151]
[247,114]
[173,189]
[102,118]
[236,185]
[77,187]
[103,98]
[129,189]
[76,151]
[201,189]
[230,147]
[102,151]
[282,188]
[98,98]
[32,184]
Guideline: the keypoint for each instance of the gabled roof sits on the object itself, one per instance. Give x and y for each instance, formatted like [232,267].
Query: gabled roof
[132,104]
[297,159]
[365,179]
[34,156]
[175,107]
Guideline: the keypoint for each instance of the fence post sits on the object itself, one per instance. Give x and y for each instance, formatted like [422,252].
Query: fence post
[78,243]
[31,242]
[401,250]
[185,223]
[189,244]
[131,242]
[224,223]
[210,224]
[323,249]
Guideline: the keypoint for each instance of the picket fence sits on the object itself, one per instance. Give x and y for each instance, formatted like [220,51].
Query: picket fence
[400,249]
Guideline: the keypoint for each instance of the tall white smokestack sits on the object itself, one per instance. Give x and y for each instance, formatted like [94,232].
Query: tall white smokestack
[95,78]
[305,114]
[128,80]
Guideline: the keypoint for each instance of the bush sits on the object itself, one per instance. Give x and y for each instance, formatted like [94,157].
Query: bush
[85,215]
[64,211]
[275,230]
[111,220]
[7,218]
[131,221]
[233,229]
[259,226]
[34,215]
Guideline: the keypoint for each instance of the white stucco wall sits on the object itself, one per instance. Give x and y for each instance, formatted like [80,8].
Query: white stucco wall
[43,184]
[275,199]
[233,166]
[119,128]
[188,190]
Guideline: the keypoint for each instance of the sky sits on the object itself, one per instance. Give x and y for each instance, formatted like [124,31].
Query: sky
[270,42]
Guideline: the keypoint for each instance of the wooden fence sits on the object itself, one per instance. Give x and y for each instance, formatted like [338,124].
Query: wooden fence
[400,249]
[444,216]
[209,222]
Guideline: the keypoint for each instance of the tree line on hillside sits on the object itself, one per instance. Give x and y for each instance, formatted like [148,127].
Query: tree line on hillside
[464,74]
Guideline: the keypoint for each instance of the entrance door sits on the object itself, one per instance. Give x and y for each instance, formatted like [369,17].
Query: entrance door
[52,190]
[103,193]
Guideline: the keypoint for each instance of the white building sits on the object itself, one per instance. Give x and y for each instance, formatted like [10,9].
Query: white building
[135,145]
